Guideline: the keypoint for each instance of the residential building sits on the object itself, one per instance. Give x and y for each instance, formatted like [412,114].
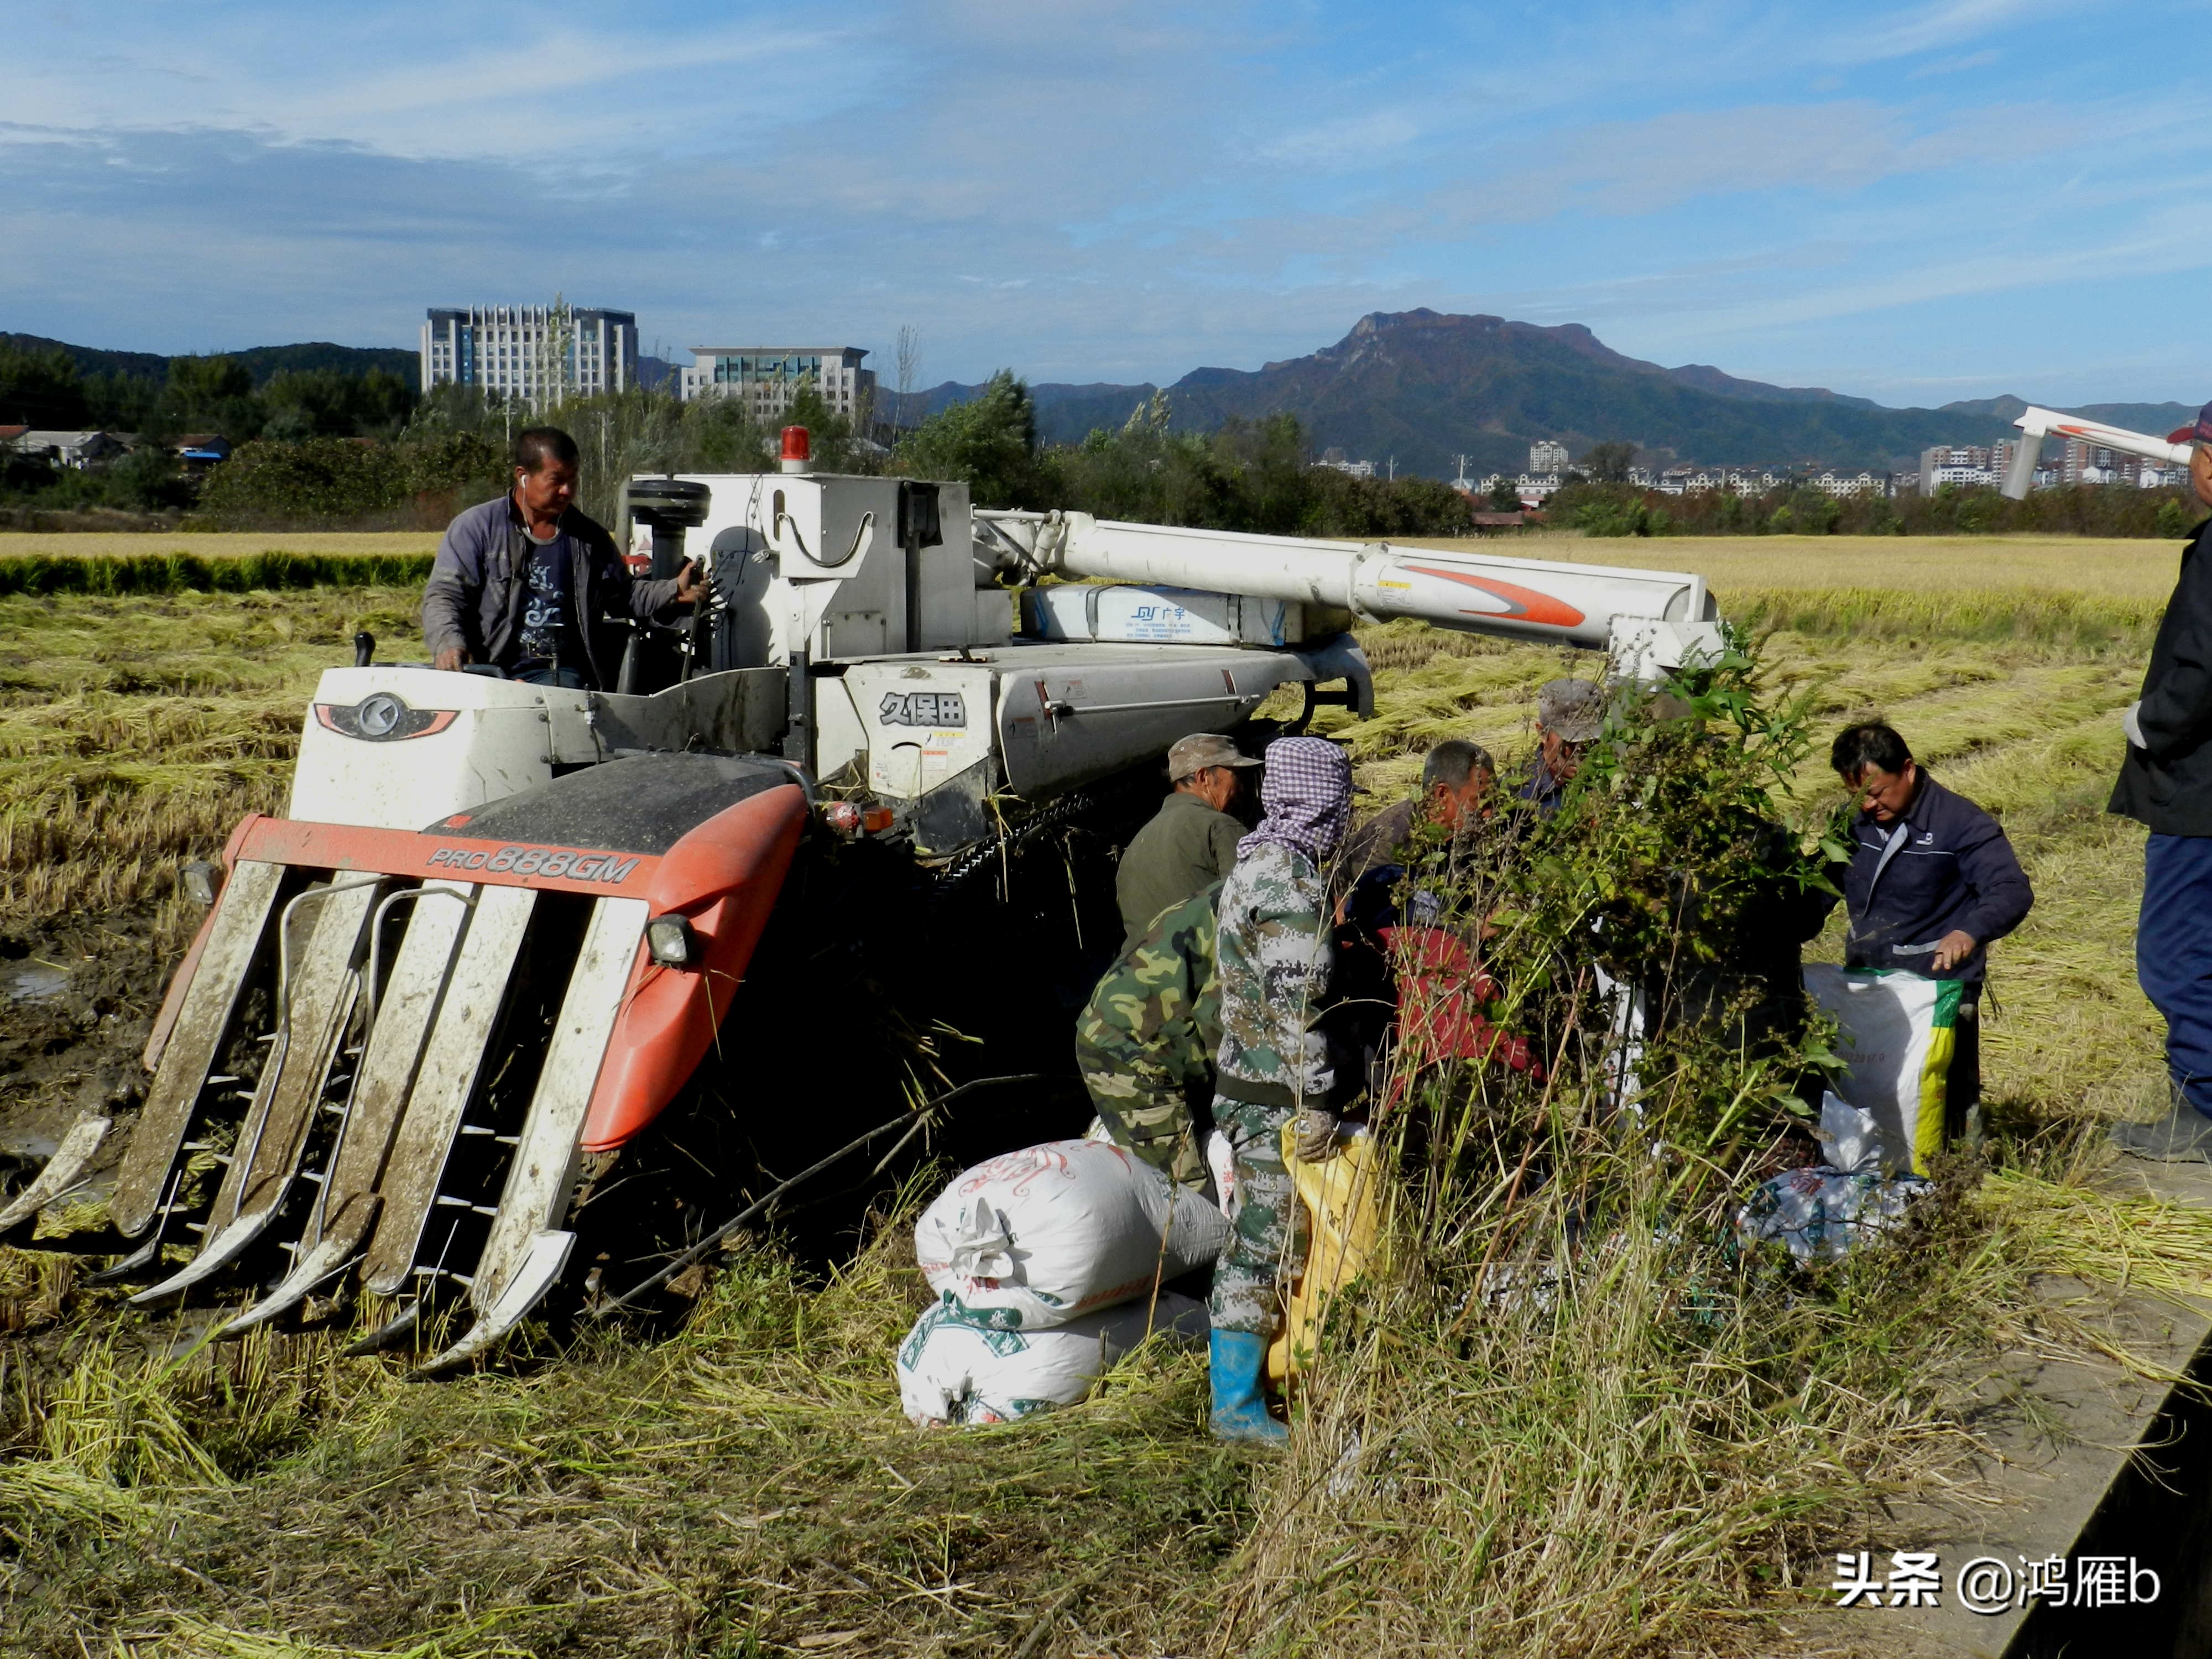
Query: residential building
[75,450]
[540,354]
[1957,464]
[1547,455]
[1532,488]
[1333,458]
[1859,483]
[767,378]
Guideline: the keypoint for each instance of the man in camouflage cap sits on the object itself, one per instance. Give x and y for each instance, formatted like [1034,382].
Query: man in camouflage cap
[1569,714]
[1276,956]
[1144,1041]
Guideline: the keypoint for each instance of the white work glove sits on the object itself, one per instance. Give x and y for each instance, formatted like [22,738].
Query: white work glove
[2131,723]
[1315,1138]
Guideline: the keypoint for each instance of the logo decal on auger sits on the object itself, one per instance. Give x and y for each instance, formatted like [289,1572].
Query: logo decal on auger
[939,708]
[540,861]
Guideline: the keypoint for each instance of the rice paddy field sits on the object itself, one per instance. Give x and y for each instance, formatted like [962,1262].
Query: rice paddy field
[747,1486]
[207,543]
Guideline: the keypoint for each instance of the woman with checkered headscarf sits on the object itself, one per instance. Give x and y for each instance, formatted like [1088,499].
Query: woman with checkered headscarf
[1275,957]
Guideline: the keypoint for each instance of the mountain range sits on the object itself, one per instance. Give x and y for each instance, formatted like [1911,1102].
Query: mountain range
[263,362]
[1420,389]
[1424,388]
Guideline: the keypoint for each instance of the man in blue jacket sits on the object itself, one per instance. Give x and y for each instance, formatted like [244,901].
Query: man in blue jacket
[1931,883]
[2166,785]
[526,580]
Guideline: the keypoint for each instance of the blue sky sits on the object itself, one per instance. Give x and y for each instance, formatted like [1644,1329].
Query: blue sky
[1911,203]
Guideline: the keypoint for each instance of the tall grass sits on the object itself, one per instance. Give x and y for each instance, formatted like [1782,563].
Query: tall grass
[1577,1415]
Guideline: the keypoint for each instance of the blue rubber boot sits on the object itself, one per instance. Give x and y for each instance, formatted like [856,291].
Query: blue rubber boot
[1240,1411]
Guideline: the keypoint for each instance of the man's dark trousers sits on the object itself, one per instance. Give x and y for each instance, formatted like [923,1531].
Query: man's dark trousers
[2173,956]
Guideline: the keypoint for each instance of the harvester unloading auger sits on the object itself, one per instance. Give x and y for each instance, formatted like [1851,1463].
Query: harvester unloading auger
[498,929]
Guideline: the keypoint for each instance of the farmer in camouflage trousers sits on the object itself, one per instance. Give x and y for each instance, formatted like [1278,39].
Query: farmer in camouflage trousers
[1146,1038]
[1276,956]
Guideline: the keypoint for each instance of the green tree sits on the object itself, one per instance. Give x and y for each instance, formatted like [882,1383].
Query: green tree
[214,394]
[1608,463]
[1504,495]
[1810,511]
[40,389]
[989,443]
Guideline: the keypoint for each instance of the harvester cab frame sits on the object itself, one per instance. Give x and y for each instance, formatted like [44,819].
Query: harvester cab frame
[501,926]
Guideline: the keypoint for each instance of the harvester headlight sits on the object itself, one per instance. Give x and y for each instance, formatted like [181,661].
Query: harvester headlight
[201,881]
[672,942]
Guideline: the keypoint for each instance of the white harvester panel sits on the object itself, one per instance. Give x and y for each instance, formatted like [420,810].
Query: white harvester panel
[1170,615]
[814,562]
[921,723]
[398,748]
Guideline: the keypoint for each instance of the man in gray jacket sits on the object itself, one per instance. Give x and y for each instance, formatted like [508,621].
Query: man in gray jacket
[524,580]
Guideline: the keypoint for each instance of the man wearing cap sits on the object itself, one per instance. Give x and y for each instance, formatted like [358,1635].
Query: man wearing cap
[1568,715]
[1275,958]
[2166,785]
[1191,841]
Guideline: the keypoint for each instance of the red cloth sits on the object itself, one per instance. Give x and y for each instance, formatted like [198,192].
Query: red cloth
[1441,989]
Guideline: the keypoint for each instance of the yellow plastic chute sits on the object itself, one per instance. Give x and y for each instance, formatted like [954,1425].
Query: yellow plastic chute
[1343,1201]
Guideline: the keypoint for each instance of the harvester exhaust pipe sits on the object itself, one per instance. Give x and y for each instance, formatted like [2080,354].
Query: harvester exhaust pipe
[2037,424]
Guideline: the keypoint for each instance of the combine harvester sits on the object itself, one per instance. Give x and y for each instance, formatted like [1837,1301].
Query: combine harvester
[497,933]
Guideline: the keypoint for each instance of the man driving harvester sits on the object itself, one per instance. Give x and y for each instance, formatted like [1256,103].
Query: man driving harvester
[523,581]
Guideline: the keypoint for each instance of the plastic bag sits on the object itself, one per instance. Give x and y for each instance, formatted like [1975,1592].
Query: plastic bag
[1040,1236]
[1821,1213]
[1899,1032]
[1851,1137]
[954,1368]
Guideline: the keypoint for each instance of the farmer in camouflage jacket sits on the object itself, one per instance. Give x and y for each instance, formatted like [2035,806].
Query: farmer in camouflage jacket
[1146,1038]
[1276,956]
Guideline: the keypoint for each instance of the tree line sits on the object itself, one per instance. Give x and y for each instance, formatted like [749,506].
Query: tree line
[46,390]
[1599,509]
[369,457]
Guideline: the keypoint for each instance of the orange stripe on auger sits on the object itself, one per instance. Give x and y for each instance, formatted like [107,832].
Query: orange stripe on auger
[1527,604]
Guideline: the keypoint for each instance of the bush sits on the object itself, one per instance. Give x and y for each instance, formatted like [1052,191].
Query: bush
[271,482]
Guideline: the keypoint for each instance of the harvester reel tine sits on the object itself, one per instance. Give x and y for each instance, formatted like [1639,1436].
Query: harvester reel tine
[61,1172]
[390,1334]
[329,1258]
[148,1253]
[548,1256]
[216,1254]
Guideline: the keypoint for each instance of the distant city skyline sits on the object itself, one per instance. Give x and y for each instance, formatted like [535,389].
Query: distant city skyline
[1915,202]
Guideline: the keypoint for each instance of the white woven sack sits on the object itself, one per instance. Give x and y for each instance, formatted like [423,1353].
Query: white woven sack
[1896,1039]
[1037,1237]
[954,1369]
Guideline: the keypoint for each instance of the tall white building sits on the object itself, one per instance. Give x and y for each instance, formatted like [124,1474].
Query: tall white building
[541,353]
[1547,455]
[769,377]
